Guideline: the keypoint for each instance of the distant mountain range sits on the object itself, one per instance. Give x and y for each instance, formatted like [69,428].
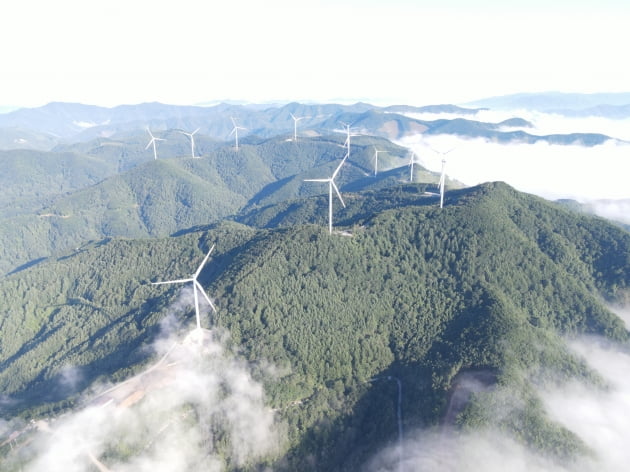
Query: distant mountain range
[64,124]
[610,105]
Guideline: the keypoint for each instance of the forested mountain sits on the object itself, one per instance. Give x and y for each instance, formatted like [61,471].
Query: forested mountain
[33,179]
[83,198]
[490,285]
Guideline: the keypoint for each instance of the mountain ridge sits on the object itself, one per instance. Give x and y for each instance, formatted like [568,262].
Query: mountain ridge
[491,282]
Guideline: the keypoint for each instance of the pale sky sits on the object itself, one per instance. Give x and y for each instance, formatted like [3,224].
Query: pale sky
[389,51]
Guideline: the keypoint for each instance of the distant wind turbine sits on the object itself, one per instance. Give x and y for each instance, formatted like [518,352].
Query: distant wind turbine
[441,184]
[442,176]
[192,141]
[376,151]
[348,134]
[295,120]
[235,131]
[412,161]
[153,140]
[331,186]
[196,287]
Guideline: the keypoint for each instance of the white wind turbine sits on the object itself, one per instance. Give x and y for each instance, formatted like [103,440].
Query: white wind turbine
[441,184]
[196,287]
[348,134]
[295,120]
[192,141]
[376,151]
[331,186]
[235,131]
[153,140]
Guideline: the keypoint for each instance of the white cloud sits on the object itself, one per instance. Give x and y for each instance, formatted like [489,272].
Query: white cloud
[599,416]
[622,312]
[452,452]
[551,171]
[618,210]
[197,407]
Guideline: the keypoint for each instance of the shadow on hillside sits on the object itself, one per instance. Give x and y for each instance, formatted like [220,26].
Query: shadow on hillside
[349,441]
[60,386]
[27,265]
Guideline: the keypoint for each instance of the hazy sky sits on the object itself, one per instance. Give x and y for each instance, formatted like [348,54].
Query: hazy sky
[412,51]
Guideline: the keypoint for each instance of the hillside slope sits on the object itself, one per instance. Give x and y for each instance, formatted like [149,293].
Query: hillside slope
[161,197]
[490,284]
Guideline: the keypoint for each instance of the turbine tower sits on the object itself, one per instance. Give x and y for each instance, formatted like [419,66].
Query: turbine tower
[441,184]
[442,175]
[153,140]
[235,131]
[295,120]
[192,141]
[331,186]
[196,287]
[376,151]
[412,161]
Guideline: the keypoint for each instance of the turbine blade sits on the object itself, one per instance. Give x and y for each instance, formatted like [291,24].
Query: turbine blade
[339,167]
[338,194]
[316,180]
[195,131]
[205,259]
[203,292]
[172,281]
[150,142]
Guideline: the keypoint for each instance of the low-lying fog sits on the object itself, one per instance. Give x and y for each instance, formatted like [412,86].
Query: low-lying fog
[596,175]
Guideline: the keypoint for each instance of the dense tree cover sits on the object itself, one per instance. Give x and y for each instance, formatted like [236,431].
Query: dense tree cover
[72,201]
[489,284]
[32,179]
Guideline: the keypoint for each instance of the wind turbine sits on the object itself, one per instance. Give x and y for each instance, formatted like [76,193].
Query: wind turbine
[441,184]
[348,134]
[295,120]
[376,151]
[196,287]
[442,176]
[331,186]
[153,140]
[192,141]
[235,131]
